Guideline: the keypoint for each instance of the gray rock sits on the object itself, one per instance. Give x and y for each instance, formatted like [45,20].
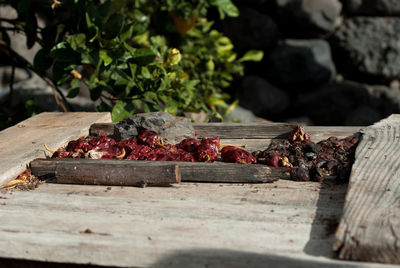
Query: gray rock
[172,129]
[301,63]
[242,115]
[348,103]
[372,7]
[368,49]
[251,30]
[308,18]
[262,98]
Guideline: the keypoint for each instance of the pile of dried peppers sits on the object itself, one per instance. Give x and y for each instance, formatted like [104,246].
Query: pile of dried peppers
[304,159]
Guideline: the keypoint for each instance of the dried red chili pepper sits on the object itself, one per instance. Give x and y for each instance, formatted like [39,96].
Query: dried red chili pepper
[139,152]
[181,155]
[60,153]
[128,144]
[233,154]
[298,135]
[105,143]
[189,145]
[208,150]
[150,138]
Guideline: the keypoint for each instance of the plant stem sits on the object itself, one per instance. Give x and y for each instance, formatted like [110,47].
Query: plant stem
[63,103]
[10,95]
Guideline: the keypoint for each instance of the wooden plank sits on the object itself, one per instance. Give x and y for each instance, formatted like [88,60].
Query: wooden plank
[267,130]
[117,173]
[370,226]
[23,142]
[283,224]
[249,131]
[200,172]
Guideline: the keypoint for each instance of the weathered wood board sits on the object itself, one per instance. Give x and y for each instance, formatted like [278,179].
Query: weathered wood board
[369,229]
[281,224]
[254,131]
[23,142]
[189,171]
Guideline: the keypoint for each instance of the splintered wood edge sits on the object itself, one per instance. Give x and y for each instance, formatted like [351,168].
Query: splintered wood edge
[369,227]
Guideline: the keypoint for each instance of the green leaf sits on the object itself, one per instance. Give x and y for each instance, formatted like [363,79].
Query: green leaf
[74,88]
[224,45]
[117,5]
[60,29]
[232,107]
[252,55]
[95,93]
[105,57]
[112,27]
[191,83]
[96,13]
[145,72]
[121,111]
[144,56]
[133,68]
[129,48]
[210,65]
[103,107]
[142,39]
[72,92]
[126,33]
[42,60]
[226,7]
[62,52]
[86,58]
[31,107]
[77,42]
[150,95]
[61,72]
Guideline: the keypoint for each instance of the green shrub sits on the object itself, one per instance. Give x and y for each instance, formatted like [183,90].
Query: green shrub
[134,56]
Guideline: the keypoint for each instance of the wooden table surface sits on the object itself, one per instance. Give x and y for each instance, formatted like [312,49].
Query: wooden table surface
[280,224]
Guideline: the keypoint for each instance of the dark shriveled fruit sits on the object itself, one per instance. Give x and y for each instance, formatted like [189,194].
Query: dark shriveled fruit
[307,160]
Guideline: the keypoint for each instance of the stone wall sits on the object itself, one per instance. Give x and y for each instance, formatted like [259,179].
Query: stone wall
[328,62]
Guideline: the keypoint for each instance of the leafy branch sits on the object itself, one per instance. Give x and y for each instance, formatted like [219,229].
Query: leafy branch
[133,56]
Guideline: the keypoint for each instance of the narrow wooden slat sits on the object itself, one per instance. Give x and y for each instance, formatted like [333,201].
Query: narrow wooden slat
[200,172]
[117,173]
[23,142]
[369,229]
[249,131]
[267,130]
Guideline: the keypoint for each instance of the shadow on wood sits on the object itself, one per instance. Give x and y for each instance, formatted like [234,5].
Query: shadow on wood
[204,258]
[327,216]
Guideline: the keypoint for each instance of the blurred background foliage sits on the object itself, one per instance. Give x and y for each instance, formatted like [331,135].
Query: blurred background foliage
[133,56]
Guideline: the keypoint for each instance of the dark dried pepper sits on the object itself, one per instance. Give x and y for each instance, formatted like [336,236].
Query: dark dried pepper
[232,154]
[308,160]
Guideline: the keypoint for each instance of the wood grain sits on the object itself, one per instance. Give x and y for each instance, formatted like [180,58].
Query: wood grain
[24,142]
[199,172]
[117,173]
[369,229]
[249,131]
[281,224]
